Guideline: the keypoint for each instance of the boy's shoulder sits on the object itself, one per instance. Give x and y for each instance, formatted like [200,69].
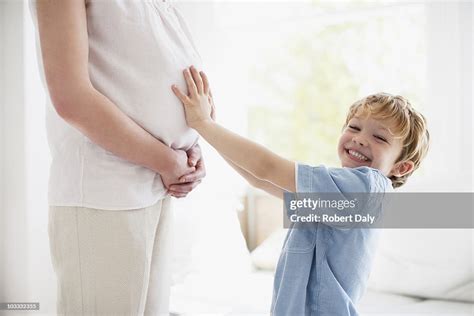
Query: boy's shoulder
[379,181]
[322,178]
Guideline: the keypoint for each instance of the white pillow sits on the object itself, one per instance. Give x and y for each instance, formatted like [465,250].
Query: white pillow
[428,263]
[266,255]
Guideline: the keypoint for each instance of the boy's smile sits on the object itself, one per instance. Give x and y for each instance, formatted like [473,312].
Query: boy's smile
[369,142]
[357,155]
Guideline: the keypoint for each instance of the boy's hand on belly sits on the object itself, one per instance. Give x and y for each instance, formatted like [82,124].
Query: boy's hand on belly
[197,105]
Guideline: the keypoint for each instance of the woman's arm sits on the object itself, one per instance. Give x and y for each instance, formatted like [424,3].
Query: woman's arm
[64,45]
[250,156]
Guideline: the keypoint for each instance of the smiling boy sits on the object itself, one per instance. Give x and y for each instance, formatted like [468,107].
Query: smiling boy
[322,270]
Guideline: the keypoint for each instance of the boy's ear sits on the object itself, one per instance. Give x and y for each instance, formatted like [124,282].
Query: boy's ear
[401,168]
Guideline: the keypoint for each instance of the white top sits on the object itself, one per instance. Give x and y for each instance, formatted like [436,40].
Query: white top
[137,50]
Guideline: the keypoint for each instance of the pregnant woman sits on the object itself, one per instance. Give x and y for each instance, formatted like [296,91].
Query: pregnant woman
[119,145]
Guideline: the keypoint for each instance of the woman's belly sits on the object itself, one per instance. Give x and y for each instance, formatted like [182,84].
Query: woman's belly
[152,105]
[135,64]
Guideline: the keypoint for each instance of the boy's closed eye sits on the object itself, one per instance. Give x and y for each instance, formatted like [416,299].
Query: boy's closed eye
[354,127]
[378,137]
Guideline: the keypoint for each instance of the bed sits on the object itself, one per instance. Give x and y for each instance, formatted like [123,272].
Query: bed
[253,297]
[416,271]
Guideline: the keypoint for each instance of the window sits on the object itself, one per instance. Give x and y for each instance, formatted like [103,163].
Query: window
[320,58]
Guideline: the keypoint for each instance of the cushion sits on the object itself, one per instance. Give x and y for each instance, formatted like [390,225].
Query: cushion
[265,256]
[427,263]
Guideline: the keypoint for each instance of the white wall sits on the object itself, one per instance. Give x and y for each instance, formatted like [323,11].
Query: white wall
[449,164]
[14,233]
[42,281]
[2,74]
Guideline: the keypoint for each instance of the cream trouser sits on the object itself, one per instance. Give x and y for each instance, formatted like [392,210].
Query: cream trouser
[111,262]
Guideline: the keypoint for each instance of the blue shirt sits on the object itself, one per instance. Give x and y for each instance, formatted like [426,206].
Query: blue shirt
[324,270]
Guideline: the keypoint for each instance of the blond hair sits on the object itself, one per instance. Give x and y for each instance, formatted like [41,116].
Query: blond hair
[410,126]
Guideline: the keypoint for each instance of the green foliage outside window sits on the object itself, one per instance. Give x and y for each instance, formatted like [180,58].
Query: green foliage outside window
[322,78]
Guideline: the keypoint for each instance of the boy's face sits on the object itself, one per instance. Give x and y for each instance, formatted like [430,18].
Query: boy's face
[369,142]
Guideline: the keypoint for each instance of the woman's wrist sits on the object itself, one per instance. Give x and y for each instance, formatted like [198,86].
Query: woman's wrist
[166,160]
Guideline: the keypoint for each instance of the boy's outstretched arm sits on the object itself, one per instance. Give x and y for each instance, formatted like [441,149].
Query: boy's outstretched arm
[266,186]
[250,156]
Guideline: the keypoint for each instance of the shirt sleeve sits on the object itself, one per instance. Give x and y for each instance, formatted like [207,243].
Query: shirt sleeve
[296,175]
[356,184]
[332,180]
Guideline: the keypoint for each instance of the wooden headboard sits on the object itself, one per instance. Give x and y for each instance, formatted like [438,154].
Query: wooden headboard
[261,216]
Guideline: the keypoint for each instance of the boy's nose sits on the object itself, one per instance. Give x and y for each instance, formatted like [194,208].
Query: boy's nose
[359,140]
